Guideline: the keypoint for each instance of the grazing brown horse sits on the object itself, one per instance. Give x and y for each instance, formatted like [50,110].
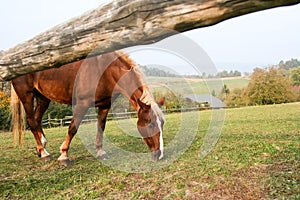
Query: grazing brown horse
[95,81]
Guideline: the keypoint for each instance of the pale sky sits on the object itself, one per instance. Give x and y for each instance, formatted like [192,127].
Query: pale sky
[255,40]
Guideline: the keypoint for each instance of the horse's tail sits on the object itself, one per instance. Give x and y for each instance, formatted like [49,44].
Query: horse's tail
[17,111]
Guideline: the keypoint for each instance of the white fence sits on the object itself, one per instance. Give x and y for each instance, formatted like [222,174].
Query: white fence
[87,118]
[114,116]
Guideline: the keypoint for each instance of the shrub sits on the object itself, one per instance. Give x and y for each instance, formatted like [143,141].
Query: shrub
[58,111]
[295,76]
[236,98]
[5,118]
[268,87]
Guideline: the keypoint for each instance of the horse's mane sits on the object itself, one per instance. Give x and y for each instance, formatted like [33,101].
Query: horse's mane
[147,96]
[126,58]
[135,67]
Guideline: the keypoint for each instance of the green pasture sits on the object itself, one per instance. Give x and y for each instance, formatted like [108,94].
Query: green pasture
[186,86]
[256,157]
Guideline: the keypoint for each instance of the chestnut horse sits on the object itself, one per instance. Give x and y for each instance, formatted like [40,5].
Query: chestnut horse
[95,81]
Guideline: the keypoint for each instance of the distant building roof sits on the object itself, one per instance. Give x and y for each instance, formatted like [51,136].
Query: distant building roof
[203,98]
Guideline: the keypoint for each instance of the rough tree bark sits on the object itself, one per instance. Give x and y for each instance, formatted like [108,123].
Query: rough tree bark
[121,24]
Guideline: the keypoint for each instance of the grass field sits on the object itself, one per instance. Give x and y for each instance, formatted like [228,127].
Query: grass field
[186,86]
[256,157]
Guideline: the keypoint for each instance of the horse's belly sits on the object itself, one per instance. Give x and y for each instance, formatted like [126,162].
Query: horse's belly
[55,92]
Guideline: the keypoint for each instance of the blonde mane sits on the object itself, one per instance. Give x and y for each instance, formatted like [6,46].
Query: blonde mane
[125,56]
[146,97]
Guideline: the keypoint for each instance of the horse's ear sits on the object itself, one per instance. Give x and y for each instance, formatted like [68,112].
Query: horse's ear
[143,106]
[161,102]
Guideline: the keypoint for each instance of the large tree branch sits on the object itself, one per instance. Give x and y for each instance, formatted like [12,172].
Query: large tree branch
[121,24]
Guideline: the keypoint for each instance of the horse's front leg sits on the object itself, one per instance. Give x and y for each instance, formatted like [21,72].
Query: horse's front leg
[79,112]
[102,115]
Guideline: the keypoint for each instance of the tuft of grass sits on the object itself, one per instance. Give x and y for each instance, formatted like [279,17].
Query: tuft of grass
[256,157]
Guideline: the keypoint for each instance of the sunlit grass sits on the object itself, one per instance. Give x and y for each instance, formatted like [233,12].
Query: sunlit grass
[257,156]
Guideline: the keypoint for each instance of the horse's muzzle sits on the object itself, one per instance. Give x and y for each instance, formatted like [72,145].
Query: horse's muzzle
[155,155]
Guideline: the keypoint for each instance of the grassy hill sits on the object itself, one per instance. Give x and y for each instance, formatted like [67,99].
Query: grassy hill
[257,156]
[186,86]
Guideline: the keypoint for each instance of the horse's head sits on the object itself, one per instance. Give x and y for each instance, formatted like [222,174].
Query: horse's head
[130,82]
[150,125]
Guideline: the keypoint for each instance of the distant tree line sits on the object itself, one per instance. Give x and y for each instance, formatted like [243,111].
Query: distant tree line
[153,71]
[290,64]
[226,74]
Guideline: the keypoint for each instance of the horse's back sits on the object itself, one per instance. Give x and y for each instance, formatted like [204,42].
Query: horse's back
[55,84]
[91,75]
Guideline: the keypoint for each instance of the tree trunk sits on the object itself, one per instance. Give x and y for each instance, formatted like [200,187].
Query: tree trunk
[121,24]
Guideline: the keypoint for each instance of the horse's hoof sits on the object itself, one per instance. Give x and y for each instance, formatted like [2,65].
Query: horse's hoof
[103,157]
[65,163]
[47,158]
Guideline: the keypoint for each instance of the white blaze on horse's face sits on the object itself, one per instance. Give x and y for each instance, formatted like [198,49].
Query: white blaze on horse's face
[161,140]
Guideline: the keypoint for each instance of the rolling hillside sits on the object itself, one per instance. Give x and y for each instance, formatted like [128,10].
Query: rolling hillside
[185,86]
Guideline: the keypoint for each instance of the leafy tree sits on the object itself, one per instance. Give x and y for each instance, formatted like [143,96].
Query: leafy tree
[5,87]
[173,101]
[225,90]
[237,73]
[268,87]
[224,93]
[236,98]
[293,63]
[58,111]
[296,92]
[213,93]
[295,76]
[223,74]
[4,111]
[152,71]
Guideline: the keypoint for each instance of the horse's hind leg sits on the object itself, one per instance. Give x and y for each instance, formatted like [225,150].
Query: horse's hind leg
[42,105]
[102,115]
[34,127]
[24,90]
